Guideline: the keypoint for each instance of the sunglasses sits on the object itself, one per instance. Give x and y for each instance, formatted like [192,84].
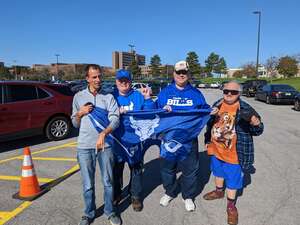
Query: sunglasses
[184,72]
[233,92]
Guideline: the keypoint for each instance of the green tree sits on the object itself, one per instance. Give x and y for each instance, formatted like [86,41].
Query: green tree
[134,69]
[221,67]
[287,66]
[195,68]
[5,74]
[155,64]
[211,62]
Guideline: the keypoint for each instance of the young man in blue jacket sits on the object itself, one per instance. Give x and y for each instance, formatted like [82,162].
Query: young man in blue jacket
[181,95]
[129,100]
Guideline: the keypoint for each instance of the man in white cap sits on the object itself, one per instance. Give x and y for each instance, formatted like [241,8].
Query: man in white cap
[181,95]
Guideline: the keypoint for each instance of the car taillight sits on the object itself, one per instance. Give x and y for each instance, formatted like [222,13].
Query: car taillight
[274,94]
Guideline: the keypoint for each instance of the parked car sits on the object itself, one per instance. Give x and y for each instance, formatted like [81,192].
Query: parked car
[215,85]
[157,87]
[297,102]
[276,93]
[31,108]
[202,85]
[139,86]
[250,87]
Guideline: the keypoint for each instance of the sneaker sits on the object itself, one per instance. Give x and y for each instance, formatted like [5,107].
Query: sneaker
[114,220]
[232,215]
[136,204]
[165,200]
[189,205]
[85,221]
[214,195]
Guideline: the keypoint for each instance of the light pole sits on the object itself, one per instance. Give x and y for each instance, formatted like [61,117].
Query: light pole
[258,40]
[15,69]
[57,55]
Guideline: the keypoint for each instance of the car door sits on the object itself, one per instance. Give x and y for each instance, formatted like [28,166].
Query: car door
[259,92]
[265,92]
[15,110]
[42,108]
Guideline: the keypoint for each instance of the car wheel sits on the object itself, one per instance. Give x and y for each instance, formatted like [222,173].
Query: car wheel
[58,128]
[297,105]
[268,101]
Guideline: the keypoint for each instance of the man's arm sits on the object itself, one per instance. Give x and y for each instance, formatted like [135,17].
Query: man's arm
[113,117]
[79,112]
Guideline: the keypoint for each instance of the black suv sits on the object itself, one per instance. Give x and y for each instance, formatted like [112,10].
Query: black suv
[250,87]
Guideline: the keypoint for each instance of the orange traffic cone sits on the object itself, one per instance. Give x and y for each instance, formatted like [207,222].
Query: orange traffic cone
[29,185]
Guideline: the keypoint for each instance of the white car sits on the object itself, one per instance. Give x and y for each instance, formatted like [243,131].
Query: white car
[139,86]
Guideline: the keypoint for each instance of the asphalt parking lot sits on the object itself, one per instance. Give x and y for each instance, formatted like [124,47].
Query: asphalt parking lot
[271,198]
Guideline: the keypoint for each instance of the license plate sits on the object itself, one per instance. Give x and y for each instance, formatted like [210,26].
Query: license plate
[288,94]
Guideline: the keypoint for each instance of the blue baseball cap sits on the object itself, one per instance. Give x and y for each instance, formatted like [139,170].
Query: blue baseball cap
[123,74]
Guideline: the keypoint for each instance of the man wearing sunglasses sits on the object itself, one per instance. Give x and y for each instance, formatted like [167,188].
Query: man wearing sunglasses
[181,95]
[229,142]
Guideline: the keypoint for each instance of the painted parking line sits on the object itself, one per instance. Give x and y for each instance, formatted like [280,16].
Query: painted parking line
[5,216]
[18,178]
[51,159]
[41,151]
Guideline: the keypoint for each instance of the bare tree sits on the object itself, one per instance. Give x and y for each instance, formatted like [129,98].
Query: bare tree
[271,66]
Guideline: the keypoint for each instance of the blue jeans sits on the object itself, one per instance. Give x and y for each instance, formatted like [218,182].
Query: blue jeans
[189,168]
[135,183]
[87,162]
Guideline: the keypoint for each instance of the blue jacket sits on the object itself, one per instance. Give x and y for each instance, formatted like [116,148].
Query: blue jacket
[133,101]
[244,132]
[188,98]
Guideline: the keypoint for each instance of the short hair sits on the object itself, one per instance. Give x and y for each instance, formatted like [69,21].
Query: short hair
[234,82]
[91,66]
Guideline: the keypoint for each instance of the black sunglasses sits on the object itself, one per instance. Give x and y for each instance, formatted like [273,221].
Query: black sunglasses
[233,92]
[184,72]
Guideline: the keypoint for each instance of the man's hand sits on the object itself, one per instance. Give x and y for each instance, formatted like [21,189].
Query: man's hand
[146,92]
[122,110]
[214,111]
[168,108]
[254,121]
[100,141]
[84,110]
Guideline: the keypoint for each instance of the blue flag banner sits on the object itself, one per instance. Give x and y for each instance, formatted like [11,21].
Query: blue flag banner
[140,129]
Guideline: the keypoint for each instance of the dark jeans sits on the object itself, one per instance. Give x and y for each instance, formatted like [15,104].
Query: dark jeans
[135,184]
[189,168]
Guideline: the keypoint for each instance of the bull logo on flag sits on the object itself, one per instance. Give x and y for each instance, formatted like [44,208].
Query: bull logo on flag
[144,128]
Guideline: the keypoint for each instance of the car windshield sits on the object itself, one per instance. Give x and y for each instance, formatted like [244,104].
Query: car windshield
[283,87]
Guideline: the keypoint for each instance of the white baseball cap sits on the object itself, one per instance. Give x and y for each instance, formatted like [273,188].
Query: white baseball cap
[181,65]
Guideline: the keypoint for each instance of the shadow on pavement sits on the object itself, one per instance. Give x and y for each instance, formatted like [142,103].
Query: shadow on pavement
[28,141]
[151,179]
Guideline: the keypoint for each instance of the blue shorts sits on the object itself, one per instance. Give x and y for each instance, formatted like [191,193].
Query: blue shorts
[232,173]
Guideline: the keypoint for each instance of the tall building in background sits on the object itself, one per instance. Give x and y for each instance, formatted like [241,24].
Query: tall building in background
[120,60]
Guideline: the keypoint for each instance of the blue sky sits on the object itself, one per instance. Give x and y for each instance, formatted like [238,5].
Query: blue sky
[33,31]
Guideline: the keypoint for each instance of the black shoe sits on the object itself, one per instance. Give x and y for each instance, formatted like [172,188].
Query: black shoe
[85,221]
[117,200]
[136,204]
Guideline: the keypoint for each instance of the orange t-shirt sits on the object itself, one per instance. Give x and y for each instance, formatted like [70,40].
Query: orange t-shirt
[223,135]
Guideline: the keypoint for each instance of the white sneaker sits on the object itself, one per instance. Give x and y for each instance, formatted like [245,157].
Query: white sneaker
[165,200]
[189,205]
